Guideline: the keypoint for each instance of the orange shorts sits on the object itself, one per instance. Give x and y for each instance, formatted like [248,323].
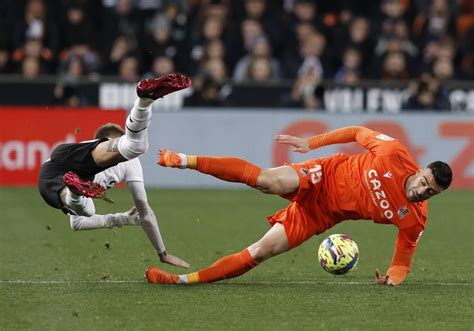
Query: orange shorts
[305,217]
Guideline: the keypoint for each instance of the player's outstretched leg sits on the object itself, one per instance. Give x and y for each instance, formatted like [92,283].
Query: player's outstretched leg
[226,168]
[274,242]
[228,267]
[134,142]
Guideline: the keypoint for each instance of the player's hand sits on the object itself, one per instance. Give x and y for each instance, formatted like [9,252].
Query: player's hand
[300,145]
[133,215]
[173,260]
[383,280]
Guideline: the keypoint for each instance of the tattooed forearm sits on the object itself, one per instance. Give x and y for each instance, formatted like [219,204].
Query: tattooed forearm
[112,146]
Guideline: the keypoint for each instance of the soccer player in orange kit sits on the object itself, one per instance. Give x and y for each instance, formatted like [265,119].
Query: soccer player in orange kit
[383,184]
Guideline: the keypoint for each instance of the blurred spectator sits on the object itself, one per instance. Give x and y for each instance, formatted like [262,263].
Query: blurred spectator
[260,48]
[435,24]
[301,40]
[396,39]
[4,61]
[350,69]
[305,92]
[36,25]
[162,65]
[129,69]
[212,30]
[392,11]
[443,69]
[427,94]
[358,36]
[123,20]
[34,48]
[259,70]
[30,68]
[160,42]
[207,92]
[121,48]
[89,58]
[268,17]
[214,50]
[308,57]
[467,58]
[215,69]
[66,89]
[75,70]
[394,67]
[76,29]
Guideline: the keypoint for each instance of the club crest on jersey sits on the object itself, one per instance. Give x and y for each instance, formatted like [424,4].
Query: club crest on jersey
[388,174]
[403,211]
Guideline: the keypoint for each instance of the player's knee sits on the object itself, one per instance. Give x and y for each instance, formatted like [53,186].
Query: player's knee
[267,182]
[130,148]
[260,252]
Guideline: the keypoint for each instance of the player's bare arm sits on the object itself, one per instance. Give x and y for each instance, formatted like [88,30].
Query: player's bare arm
[107,153]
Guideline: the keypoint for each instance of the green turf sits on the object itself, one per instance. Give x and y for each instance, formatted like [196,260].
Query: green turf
[288,292]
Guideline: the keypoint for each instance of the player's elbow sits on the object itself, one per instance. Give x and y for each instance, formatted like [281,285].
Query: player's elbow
[142,206]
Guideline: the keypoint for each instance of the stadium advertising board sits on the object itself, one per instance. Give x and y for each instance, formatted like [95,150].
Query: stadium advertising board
[29,134]
[249,135]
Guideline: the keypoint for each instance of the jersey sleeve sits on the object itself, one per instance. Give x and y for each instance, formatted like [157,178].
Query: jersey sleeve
[376,142]
[134,171]
[405,247]
[381,144]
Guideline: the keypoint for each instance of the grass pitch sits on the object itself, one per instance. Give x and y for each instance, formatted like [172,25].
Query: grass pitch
[54,278]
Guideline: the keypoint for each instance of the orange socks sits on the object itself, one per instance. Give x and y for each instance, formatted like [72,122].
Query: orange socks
[228,267]
[226,168]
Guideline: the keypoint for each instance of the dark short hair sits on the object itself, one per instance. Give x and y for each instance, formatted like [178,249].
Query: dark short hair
[106,130]
[442,173]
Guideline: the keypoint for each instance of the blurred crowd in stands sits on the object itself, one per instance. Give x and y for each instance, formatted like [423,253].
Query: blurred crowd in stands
[426,42]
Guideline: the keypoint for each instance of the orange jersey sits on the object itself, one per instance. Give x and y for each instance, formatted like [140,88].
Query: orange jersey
[364,186]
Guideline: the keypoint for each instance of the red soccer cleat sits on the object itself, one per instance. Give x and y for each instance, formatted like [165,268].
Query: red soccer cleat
[169,159]
[159,87]
[85,188]
[155,275]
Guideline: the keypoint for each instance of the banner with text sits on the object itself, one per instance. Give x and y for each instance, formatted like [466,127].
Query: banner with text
[29,134]
[249,135]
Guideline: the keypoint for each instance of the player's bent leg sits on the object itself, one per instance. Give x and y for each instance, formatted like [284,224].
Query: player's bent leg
[135,143]
[274,242]
[281,180]
[77,204]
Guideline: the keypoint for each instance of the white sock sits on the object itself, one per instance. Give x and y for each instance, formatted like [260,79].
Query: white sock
[81,205]
[135,143]
[184,160]
[108,221]
[183,279]
[144,102]
[138,119]
[79,223]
